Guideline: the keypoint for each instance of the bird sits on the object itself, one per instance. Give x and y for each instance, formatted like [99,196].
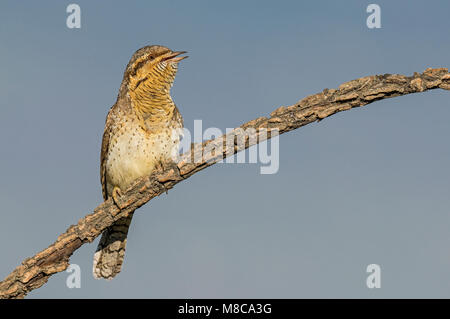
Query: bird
[142,132]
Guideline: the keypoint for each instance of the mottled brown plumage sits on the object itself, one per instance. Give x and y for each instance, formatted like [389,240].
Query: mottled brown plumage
[142,131]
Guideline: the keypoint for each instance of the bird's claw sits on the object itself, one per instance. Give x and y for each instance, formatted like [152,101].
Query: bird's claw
[160,166]
[116,196]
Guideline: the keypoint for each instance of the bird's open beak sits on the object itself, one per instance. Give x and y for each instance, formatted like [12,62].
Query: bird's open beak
[174,56]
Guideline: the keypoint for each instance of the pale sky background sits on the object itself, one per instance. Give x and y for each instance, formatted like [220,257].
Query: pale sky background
[367,186]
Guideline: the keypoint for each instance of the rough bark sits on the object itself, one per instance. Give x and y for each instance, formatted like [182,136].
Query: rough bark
[35,271]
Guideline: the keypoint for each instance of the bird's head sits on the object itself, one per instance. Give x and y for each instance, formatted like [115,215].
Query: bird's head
[152,69]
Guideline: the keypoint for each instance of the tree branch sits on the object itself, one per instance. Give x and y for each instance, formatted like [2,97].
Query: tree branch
[35,271]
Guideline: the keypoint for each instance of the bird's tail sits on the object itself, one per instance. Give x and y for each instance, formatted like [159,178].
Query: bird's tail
[110,252]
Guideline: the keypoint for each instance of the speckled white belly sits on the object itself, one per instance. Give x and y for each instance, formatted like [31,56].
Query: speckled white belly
[135,153]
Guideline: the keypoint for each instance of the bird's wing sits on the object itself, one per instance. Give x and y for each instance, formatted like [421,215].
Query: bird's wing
[104,151]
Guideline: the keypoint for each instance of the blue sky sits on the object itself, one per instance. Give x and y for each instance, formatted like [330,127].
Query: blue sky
[366,186]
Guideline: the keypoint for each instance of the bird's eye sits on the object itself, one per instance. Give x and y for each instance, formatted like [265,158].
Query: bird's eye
[152,57]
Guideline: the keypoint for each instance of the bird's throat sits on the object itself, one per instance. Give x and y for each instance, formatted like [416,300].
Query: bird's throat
[151,103]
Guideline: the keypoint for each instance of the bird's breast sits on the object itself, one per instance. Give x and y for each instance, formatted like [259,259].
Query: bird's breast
[134,153]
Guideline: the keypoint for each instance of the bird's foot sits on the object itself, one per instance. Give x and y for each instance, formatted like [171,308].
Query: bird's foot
[161,167]
[116,197]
